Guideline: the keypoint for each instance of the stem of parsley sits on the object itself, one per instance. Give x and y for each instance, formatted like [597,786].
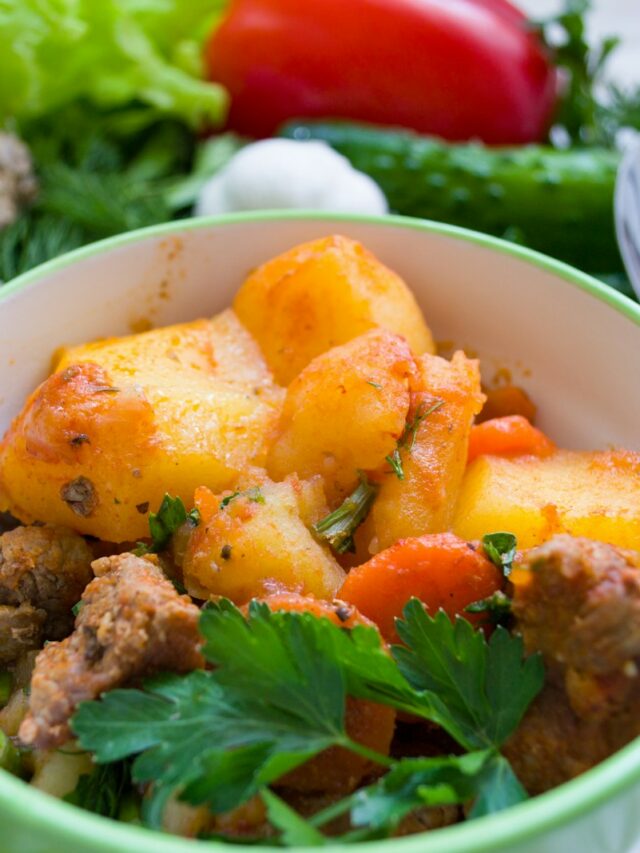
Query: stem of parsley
[338,527]
[365,752]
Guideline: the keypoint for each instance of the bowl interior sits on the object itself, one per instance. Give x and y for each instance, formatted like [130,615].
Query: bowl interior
[565,339]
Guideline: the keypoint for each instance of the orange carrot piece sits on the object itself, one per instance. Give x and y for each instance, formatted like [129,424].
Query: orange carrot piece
[510,436]
[440,569]
[505,401]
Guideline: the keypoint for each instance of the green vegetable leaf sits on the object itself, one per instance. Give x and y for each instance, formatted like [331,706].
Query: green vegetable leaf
[497,608]
[102,790]
[418,783]
[339,527]
[481,689]
[110,53]
[296,832]
[498,788]
[582,64]
[500,548]
[171,515]
[276,697]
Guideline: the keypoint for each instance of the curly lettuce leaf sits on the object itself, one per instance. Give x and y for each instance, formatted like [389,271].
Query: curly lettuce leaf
[109,53]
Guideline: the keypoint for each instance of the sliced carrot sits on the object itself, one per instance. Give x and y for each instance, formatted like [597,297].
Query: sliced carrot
[440,569]
[339,612]
[510,436]
[504,401]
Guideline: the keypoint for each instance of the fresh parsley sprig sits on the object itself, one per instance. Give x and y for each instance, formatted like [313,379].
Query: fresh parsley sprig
[276,697]
[501,549]
[171,515]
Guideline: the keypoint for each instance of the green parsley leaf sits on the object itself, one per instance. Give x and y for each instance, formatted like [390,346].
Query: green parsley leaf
[164,523]
[497,608]
[498,788]
[417,783]
[276,697]
[77,607]
[296,831]
[500,548]
[102,790]
[481,690]
[339,527]
[408,437]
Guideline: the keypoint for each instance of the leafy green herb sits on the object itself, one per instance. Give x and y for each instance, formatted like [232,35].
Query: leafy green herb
[479,690]
[164,523]
[77,607]
[254,495]
[497,608]
[498,788]
[102,790]
[408,437]
[417,783]
[276,696]
[589,113]
[375,385]
[501,548]
[296,832]
[339,527]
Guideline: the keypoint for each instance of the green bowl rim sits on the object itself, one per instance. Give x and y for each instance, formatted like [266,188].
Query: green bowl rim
[487,835]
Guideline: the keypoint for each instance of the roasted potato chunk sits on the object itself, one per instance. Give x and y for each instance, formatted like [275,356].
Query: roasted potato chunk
[322,294]
[256,541]
[344,412]
[125,420]
[596,495]
[433,453]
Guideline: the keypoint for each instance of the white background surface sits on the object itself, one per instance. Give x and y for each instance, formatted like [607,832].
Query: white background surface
[610,17]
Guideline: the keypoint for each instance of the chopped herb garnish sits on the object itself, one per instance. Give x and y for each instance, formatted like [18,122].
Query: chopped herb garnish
[77,607]
[374,384]
[408,437]
[105,389]
[254,495]
[501,548]
[101,791]
[339,526]
[164,523]
[275,696]
[497,608]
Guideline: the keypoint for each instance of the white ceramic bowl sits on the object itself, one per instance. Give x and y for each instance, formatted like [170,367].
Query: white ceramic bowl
[568,340]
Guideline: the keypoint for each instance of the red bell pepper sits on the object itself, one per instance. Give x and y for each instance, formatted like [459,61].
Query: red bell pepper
[459,69]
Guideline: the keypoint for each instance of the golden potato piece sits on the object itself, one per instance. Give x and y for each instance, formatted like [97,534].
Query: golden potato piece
[256,541]
[596,495]
[344,412]
[322,294]
[125,420]
[444,401]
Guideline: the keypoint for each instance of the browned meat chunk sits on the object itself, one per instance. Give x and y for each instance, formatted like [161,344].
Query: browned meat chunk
[47,568]
[132,623]
[20,631]
[578,602]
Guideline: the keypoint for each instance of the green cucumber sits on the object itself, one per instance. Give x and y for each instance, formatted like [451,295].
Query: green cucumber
[556,201]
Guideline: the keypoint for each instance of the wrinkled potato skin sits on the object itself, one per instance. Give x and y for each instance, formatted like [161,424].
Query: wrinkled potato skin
[322,294]
[424,501]
[135,417]
[249,549]
[595,495]
[344,412]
